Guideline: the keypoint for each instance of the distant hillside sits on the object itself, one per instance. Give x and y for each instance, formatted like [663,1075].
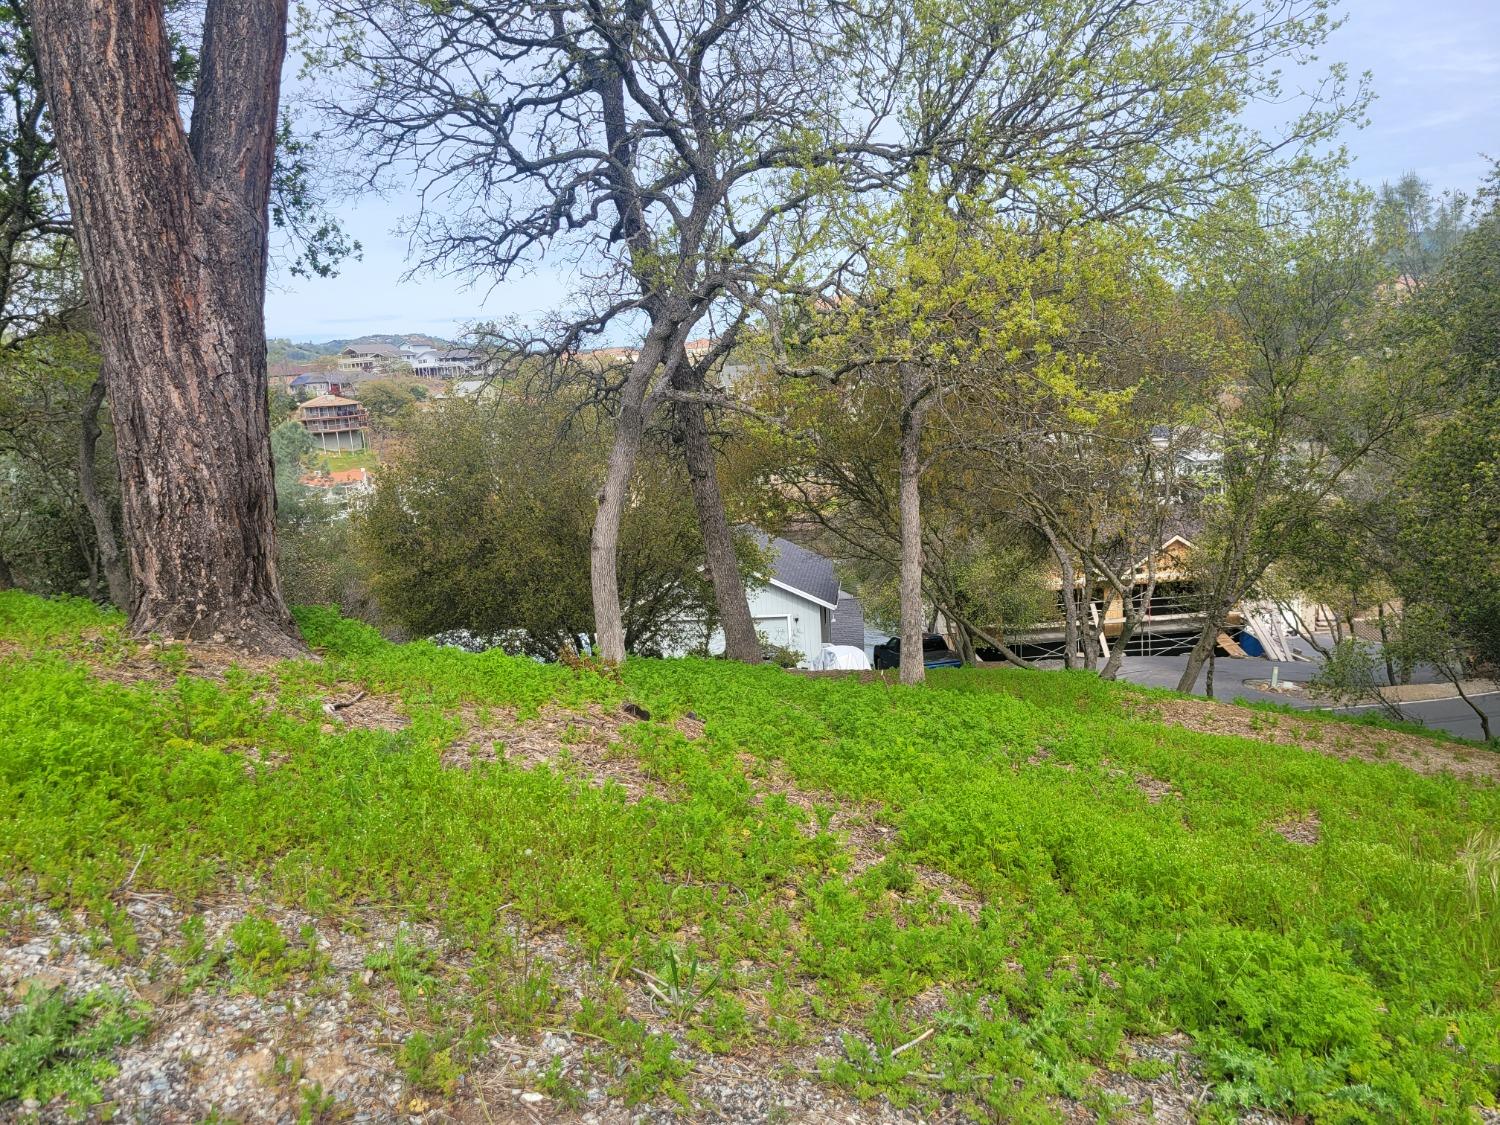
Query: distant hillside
[280,349]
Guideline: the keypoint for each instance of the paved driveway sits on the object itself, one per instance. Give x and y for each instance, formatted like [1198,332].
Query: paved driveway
[1230,676]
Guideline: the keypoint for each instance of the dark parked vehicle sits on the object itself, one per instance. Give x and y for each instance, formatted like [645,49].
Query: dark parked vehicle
[935,653]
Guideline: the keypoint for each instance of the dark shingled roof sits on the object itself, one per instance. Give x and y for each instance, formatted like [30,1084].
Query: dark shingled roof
[848,622]
[309,379]
[803,570]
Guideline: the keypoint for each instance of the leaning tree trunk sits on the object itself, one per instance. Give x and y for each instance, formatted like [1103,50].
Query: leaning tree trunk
[740,640]
[1133,617]
[966,647]
[1484,719]
[1202,649]
[913,668]
[604,540]
[1007,653]
[172,230]
[116,577]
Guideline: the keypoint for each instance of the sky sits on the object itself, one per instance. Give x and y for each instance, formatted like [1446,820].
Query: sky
[1436,74]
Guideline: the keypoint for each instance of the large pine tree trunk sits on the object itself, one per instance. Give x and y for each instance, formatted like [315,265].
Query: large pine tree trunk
[740,641]
[172,227]
[116,576]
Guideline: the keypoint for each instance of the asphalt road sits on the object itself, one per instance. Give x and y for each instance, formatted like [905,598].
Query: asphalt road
[1451,715]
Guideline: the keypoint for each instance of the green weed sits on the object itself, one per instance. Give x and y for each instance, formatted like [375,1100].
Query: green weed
[57,1049]
[1352,980]
[428,1062]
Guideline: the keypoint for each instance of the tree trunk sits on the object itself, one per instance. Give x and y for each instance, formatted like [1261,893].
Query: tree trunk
[604,540]
[1203,648]
[1128,627]
[1484,719]
[913,668]
[965,643]
[172,231]
[116,577]
[1134,615]
[1385,644]
[1088,637]
[1006,652]
[1069,598]
[7,576]
[1208,682]
[740,641]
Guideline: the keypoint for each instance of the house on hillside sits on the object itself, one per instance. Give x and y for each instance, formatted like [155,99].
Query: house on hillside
[441,363]
[472,388]
[348,488]
[336,425]
[799,605]
[369,358]
[602,359]
[316,383]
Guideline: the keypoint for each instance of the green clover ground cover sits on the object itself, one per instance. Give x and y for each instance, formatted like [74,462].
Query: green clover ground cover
[1354,979]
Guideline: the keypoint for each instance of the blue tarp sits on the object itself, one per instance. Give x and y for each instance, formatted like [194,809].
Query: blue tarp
[1251,643]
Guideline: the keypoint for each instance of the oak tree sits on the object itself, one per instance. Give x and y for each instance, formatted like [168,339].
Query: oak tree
[172,225]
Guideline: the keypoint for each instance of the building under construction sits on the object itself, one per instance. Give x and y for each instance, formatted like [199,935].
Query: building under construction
[1171,616]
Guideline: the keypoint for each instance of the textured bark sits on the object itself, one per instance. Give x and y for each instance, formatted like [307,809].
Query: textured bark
[604,540]
[740,641]
[7,576]
[913,668]
[965,643]
[116,576]
[1007,653]
[1069,598]
[1202,649]
[1132,622]
[1385,644]
[172,228]
[1484,720]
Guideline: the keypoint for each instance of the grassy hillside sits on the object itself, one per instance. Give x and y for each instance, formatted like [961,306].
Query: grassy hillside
[724,890]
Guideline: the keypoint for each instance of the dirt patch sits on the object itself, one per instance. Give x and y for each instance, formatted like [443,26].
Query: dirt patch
[1334,739]
[1159,1080]
[331,1036]
[160,665]
[1043,756]
[1306,830]
[366,711]
[1155,788]
[867,840]
[584,744]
